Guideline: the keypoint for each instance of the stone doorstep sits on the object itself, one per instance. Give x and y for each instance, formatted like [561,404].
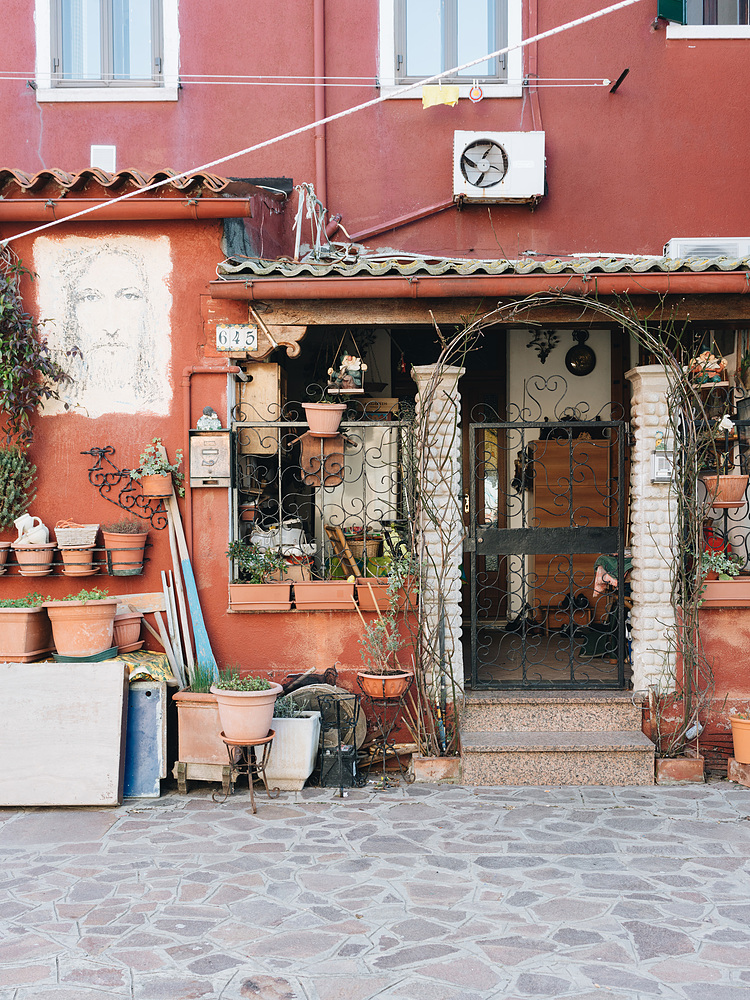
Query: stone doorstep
[738,772]
[562,711]
[500,742]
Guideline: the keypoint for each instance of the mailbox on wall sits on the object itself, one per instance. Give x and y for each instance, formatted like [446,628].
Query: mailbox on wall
[210,458]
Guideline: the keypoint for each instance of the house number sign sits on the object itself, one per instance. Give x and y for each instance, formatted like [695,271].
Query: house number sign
[236,337]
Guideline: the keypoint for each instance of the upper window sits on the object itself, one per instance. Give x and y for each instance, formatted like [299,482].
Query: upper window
[706,18]
[111,50]
[110,43]
[716,12]
[420,38]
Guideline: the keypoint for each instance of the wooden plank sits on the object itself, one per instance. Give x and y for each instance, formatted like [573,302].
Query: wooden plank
[63,734]
[146,603]
[184,620]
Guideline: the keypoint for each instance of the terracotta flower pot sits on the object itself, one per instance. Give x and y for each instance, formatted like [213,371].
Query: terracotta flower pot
[741,739]
[78,562]
[25,634]
[157,485]
[4,550]
[260,596]
[324,418]
[726,492]
[35,560]
[384,687]
[246,715]
[734,593]
[324,595]
[127,628]
[124,552]
[199,728]
[82,628]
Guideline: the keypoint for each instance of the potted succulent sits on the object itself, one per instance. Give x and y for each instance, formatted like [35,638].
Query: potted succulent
[295,745]
[83,623]
[124,545]
[740,720]
[256,568]
[25,633]
[156,474]
[245,705]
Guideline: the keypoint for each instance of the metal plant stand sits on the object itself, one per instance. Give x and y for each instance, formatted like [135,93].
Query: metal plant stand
[247,758]
[386,713]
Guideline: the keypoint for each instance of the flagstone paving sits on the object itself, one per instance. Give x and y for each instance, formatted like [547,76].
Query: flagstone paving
[409,893]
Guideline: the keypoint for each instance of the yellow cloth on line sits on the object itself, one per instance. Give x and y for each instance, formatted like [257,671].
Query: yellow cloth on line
[439,95]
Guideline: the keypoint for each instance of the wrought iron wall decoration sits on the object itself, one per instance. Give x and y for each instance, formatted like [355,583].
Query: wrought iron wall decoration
[580,360]
[107,478]
[543,342]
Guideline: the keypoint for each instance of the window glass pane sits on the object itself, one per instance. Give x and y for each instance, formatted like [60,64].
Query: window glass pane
[81,40]
[132,53]
[423,37]
[476,35]
[694,12]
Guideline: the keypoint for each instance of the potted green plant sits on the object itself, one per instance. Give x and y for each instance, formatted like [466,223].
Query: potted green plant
[383,678]
[257,590]
[124,545]
[740,720]
[720,581]
[398,586]
[17,492]
[245,705]
[25,633]
[83,623]
[156,474]
[295,745]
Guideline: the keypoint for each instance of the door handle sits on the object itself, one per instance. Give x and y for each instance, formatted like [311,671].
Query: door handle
[466,503]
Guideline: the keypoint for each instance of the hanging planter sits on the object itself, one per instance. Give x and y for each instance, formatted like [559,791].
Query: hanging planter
[725,492]
[124,544]
[347,376]
[4,550]
[34,560]
[79,561]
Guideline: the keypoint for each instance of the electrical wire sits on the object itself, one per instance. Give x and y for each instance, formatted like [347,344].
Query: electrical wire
[436,78]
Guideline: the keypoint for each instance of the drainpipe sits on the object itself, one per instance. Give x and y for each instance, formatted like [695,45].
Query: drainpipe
[50,209]
[319,71]
[187,374]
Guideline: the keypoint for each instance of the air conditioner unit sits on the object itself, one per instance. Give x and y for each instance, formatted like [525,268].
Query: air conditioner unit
[702,246]
[497,167]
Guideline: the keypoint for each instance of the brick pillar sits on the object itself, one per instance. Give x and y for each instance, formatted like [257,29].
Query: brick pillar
[651,517]
[442,527]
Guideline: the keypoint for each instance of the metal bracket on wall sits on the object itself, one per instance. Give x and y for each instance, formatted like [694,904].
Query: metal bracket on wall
[107,478]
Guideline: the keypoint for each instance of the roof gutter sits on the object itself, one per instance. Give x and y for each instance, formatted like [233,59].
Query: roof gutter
[480,286]
[48,210]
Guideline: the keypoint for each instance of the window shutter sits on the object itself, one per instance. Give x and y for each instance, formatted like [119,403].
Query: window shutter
[673,10]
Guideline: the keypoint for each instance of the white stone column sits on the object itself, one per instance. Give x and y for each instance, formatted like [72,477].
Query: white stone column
[442,527]
[652,507]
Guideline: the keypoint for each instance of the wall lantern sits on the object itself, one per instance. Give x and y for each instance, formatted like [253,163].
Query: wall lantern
[580,360]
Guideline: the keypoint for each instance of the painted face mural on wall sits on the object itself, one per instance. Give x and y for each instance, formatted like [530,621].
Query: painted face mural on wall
[109,305]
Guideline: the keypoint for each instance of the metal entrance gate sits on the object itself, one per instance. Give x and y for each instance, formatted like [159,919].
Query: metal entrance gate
[546,506]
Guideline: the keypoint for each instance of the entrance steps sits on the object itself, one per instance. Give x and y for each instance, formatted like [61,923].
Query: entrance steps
[554,738]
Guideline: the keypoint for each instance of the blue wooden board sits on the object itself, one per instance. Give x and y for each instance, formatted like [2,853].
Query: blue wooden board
[144,745]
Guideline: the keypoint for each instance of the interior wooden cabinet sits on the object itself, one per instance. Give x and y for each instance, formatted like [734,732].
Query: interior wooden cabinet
[573,487]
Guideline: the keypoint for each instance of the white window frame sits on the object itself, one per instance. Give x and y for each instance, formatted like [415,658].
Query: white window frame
[708,30]
[391,87]
[46,92]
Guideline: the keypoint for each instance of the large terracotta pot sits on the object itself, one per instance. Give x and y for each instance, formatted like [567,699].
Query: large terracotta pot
[246,715]
[726,492]
[384,687]
[199,728]
[82,628]
[35,560]
[741,740]
[156,486]
[124,552]
[25,634]
[324,418]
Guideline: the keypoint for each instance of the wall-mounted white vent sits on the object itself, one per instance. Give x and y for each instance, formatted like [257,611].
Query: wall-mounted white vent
[496,167]
[703,246]
[104,158]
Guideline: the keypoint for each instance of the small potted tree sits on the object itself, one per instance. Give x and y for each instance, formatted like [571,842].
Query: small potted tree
[25,633]
[245,705]
[256,569]
[124,545]
[156,474]
[383,677]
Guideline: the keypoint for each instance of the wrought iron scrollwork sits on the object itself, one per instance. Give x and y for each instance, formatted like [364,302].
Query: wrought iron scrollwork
[108,479]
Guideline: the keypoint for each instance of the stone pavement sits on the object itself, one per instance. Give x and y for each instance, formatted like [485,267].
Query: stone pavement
[411,893]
